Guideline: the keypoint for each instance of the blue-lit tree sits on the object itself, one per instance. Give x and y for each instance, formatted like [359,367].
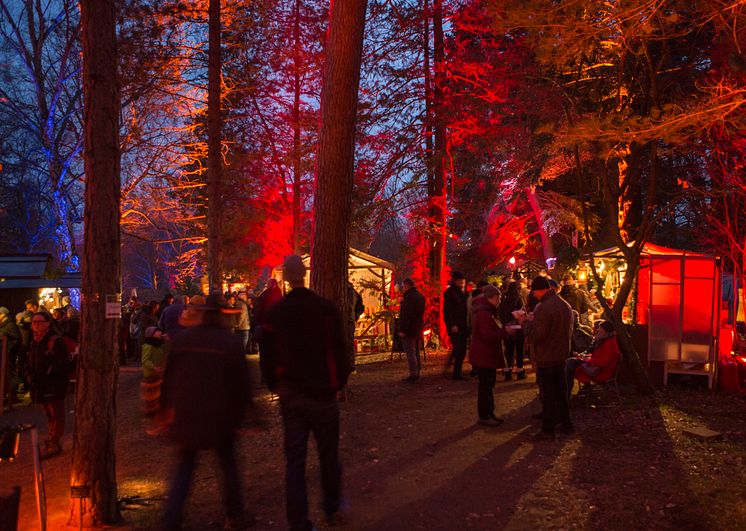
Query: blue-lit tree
[40,112]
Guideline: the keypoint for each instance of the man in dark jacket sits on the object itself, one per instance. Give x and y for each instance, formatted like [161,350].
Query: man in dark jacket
[204,396]
[454,314]
[573,296]
[410,327]
[306,363]
[549,330]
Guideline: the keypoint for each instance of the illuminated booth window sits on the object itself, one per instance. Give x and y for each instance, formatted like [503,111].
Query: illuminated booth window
[677,297]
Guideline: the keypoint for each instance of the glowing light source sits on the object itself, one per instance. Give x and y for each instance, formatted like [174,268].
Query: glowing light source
[512,260]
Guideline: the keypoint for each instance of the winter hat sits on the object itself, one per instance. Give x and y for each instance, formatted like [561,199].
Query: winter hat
[490,291]
[196,300]
[457,275]
[540,283]
[293,268]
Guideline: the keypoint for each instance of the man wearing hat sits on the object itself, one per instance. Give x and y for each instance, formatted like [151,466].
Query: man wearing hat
[410,326]
[204,396]
[306,364]
[549,330]
[454,315]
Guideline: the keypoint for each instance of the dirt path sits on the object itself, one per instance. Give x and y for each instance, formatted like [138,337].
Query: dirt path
[415,459]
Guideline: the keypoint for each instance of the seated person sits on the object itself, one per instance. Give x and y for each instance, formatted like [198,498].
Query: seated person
[602,362]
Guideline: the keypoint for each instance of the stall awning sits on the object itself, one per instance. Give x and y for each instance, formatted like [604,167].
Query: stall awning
[33,271]
[649,249]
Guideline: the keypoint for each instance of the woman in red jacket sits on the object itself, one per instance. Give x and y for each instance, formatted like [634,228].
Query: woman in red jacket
[602,362]
[486,352]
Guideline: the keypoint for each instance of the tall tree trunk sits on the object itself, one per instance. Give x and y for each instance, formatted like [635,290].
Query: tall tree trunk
[440,184]
[297,173]
[428,119]
[546,241]
[336,157]
[214,155]
[94,460]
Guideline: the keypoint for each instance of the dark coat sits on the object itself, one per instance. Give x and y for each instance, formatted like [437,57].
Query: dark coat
[268,298]
[10,330]
[486,351]
[551,330]
[411,313]
[206,386]
[575,298]
[507,307]
[305,346]
[48,368]
[454,309]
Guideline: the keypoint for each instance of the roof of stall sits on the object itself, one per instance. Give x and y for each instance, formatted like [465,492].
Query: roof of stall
[359,260]
[34,271]
[649,249]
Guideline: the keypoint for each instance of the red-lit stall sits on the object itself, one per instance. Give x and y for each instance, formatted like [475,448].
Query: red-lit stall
[677,301]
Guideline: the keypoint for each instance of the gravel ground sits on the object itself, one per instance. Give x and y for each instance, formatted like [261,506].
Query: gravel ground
[415,459]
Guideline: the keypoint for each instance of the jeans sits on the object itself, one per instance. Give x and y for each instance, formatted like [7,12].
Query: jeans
[182,479]
[302,415]
[55,412]
[514,350]
[244,336]
[570,365]
[485,398]
[410,345]
[553,392]
[458,352]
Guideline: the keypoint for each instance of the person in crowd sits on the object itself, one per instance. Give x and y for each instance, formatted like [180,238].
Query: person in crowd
[61,321]
[600,364]
[66,304]
[146,318]
[592,305]
[48,378]
[73,324]
[411,314]
[573,296]
[9,330]
[473,295]
[153,362]
[354,309]
[582,336]
[192,315]
[167,301]
[153,356]
[271,295]
[454,314]
[168,322]
[206,360]
[549,330]
[512,302]
[306,364]
[128,343]
[486,353]
[243,324]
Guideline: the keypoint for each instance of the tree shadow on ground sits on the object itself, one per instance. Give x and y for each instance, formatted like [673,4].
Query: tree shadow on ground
[626,472]
[474,475]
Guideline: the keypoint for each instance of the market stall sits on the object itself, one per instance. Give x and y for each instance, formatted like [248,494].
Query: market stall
[372,278]
[676,301]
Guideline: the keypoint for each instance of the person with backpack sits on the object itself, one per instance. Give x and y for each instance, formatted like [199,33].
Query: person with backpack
[48,378]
